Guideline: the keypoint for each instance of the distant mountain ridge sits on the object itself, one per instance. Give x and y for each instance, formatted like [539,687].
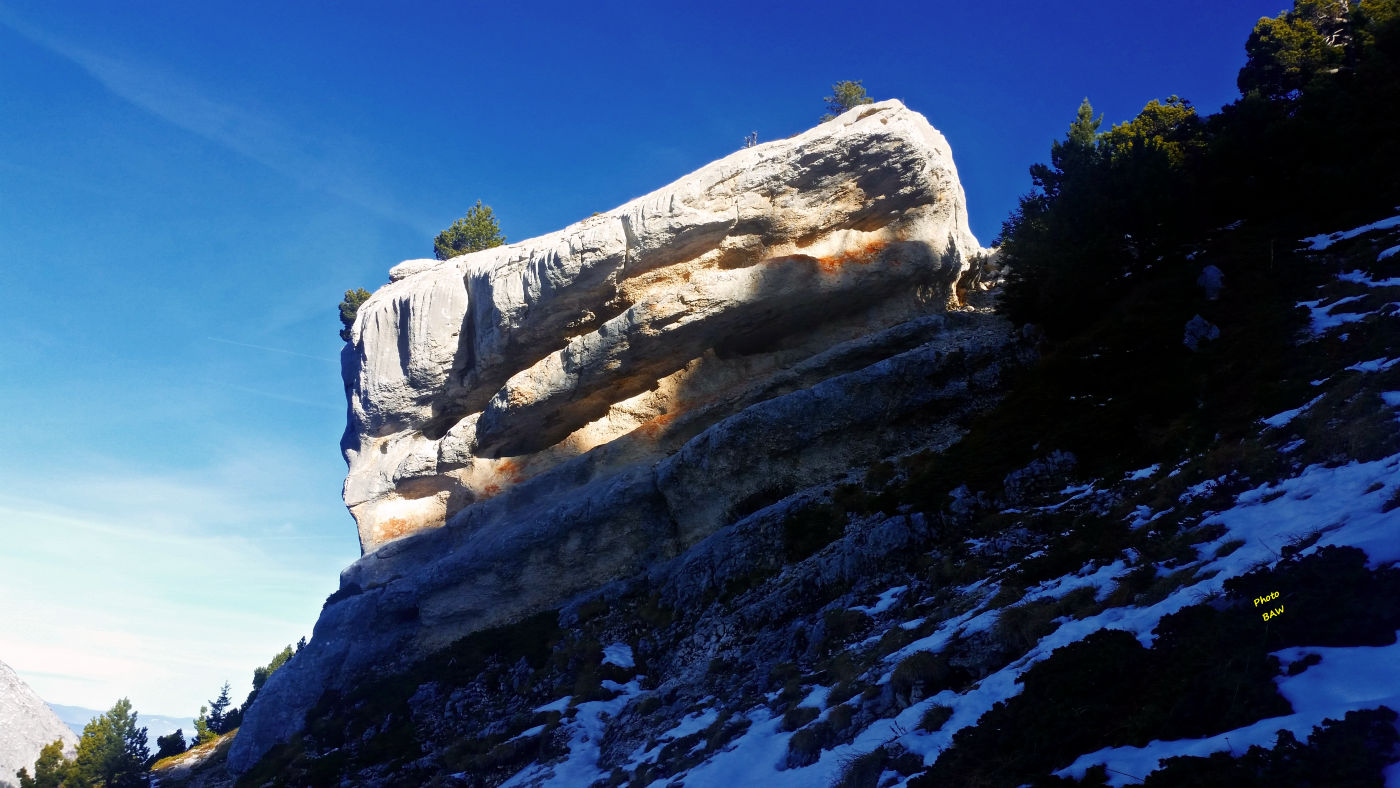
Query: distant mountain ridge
[75,717]
[26,725]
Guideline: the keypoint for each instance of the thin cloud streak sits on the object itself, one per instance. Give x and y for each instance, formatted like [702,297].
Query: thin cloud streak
[136,610]
[294,400]
[274,350]
[179,102]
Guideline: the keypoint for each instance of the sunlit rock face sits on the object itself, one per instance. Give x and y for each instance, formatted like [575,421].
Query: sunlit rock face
[27,724]
[471,376]
[531,422]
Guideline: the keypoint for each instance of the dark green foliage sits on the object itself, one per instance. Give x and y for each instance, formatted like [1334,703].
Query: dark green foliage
[218,717]
[349,307]
[476,231]
[262,674]
[1020,627]
[371,725]
[1102,211]
[1393,502]
[170,745]
[840,626]
[1330,599]
[494,761]
[1209,670]
[935,717]
[1305,146]
[1108,690]
[1288,52]
[806,745]
[1349,753]
[50,770]
[864,771]
[815,525]
[845,95]
[798,716]
[922,674]
[809,529]
[202,732]
[112,751]
[840,718]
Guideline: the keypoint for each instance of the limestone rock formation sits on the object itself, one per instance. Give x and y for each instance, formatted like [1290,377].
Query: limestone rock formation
[27,724]
[472,375]
[536,420]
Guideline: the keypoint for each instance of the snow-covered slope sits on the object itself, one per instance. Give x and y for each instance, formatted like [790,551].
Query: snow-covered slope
[971,615]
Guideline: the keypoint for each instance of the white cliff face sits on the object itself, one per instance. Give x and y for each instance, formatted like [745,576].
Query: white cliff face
[531,422]
[470,376]
[27,724]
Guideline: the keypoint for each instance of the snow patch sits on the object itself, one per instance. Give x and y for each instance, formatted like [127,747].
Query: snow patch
[1280,419]
[885,602]
[1322,319]
[1357,277]
[586,729]
[1376,365]
[1319,242]
[1143,515]
[1347,679]
[1202,488]
[619,654]
[559,705]
[1137,476]
[816,698]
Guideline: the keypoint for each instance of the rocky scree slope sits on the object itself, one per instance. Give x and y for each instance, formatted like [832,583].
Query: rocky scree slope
[27,725]
[535,421]
[1038,601]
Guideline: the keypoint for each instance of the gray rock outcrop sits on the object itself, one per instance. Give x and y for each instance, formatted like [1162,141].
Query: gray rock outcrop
[27,725]
[472,375]
[536,420]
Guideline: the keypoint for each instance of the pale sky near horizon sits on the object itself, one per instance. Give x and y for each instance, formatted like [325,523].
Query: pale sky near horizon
[187,189]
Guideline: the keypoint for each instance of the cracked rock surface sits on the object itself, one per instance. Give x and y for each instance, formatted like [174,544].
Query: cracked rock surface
[536,420]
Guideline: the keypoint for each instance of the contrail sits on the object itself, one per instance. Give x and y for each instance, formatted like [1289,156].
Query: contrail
[274,350]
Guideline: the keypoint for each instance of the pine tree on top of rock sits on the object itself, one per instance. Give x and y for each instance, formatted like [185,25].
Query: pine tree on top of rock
[844,96]
[476,231]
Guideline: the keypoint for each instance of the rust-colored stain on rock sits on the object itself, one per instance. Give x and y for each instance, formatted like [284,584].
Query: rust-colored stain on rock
[653,427]
[511,471]
[394,527]
[861,256]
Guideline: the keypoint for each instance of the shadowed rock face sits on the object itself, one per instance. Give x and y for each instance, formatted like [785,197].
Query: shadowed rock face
[537,420]
[470,376]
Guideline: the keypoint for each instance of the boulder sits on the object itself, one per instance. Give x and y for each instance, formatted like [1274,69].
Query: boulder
[537,420]
[472,375]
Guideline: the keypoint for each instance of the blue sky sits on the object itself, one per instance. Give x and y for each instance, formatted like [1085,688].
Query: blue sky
[186,189]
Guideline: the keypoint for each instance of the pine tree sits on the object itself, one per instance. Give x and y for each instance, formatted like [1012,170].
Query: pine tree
[1288,51]
[170,745]
[202,732]
[112,751]
[1072,157]
[50,770]
[844,96]
[476,231]
[261,675]
[349,307]
[219,711]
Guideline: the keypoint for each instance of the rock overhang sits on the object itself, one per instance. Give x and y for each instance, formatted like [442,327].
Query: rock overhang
[469,376]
